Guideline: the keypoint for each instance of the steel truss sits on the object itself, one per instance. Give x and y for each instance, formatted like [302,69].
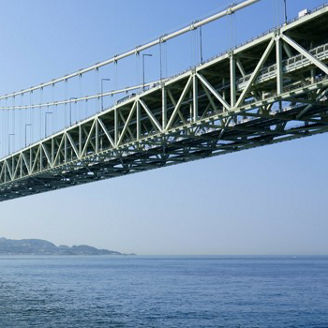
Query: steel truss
[269,90]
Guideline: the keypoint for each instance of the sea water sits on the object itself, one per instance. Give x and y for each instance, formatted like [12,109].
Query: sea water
[153,291]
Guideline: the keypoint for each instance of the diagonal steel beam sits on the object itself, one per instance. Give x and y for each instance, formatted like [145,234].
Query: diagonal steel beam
[46,153]
[27,165]
[240,67]
[59,150]
[36,158]
[102,125]
[88,138]
[213,91]
[127,123]
[210,99]
[87,133]
[150,114]
[17,165]
[124,121]
[305,53]
[179,103]
[309,106]
[8,169]
[71,141]
[2,171]
[256,72]
[174,104]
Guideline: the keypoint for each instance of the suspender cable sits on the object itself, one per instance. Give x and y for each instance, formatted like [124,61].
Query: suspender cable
[160,62]
[161,39]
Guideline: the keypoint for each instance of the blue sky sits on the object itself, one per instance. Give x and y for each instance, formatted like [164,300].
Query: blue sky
[269,200]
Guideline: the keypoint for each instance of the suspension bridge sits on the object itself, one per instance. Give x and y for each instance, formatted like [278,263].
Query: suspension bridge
[268,90]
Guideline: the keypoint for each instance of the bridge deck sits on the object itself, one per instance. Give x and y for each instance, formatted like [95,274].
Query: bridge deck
[269,90]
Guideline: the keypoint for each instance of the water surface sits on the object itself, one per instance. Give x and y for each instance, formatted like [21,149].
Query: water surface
[163,292]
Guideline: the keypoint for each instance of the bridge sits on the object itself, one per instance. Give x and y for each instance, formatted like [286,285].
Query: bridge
[268,90]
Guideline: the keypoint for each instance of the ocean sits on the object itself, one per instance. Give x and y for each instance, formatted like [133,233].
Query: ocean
[160,291]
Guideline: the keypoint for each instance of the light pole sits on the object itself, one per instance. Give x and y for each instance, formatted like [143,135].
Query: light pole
[45,123]
[285,3]
[26,125]
[102,91]
[143,69]
[9,135]
[201,44]
[70,110]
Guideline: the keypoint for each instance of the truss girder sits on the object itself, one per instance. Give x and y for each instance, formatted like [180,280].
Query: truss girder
[255,95]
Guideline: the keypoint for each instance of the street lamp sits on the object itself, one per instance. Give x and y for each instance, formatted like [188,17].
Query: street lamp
[26,125]
[143,69]
[102,91]
[70,110]
[285,3]
[45,123]
[201,44]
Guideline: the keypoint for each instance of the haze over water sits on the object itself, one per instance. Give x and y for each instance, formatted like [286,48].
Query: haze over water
[164,292]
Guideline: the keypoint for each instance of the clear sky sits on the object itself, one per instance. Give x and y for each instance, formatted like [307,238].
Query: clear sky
[269,200]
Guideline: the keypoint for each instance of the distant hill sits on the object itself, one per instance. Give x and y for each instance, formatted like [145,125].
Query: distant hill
[43,247]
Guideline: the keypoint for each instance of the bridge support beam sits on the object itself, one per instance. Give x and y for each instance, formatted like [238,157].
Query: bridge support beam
[234,102]
[305,53]
[233,94]
[195,97]
[279,65]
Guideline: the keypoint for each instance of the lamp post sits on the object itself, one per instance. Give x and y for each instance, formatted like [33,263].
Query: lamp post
[102,91]
[45,123]
[70,110]
[143,69]
[285,3]
[26,125]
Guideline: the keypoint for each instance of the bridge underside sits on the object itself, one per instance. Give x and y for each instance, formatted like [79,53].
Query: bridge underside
[270,90]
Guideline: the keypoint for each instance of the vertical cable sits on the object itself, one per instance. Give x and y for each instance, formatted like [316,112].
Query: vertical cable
[191,48]
[116,75]
[12,115]
[166,60]
[22,123]
[53,110]
[80,114]
[40,114]
[232,30]
[7,125]
[98,85]
[160,61]
[66,119]
[30,118]
[86,108]
[201,45]
[3,129]
[136,66]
